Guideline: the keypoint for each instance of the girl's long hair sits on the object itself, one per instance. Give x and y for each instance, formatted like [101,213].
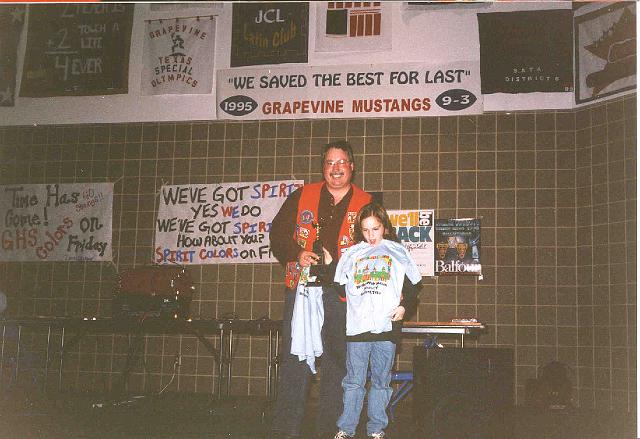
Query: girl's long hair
[377,211]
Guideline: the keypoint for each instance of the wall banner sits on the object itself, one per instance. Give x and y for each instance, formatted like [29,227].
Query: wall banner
[353,26]
[76,49]
[458,247]
[526,51]
[349,91]
[269,33]
[226,223]
[415,230]
[605,51]
[11,22]
[178,56]
[56,222]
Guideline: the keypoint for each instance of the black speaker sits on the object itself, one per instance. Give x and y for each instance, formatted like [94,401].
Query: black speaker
[463,393]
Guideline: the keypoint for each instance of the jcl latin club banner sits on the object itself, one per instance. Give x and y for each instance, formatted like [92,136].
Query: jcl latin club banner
[269,33]
[227,223]
[56,222]
[178,56]
[386,90]
[415,230]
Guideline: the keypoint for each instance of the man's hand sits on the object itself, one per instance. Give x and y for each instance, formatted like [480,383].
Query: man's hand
[307,258]
[327,256]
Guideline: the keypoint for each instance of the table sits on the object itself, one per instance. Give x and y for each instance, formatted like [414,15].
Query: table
[405,378]
[73,329]
[461,328]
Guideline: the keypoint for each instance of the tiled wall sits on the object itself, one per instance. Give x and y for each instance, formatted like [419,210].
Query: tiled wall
[555,191]
[606,220]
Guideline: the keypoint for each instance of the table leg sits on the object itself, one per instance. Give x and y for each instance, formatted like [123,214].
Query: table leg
[46,364]
[4,329]
[18,353]
[221,362]
[276,362]
[229,361]
[269,364]
[61,360]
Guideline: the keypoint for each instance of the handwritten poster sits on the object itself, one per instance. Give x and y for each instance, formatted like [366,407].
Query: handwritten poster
[56,222]
[226,223]
[76,49]
[415,230]
[383,90]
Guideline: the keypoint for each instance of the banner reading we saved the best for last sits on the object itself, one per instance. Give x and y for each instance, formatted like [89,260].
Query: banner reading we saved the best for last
[349,91]
[226,223]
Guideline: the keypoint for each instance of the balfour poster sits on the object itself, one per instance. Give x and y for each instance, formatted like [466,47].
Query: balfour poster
[226,223]
[526,51]
[605,52]
[269,33]
[457,247]
[56,222]
[178,56]
[353,26]
[77,49]
[11,21]
[385,90]
[415,230]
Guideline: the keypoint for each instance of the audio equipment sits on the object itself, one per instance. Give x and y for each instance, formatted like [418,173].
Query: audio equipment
[463,393]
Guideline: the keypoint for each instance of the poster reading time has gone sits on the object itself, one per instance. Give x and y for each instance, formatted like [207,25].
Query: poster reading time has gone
[56,222]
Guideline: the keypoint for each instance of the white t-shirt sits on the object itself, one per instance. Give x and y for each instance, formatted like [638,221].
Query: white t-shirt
[373,277]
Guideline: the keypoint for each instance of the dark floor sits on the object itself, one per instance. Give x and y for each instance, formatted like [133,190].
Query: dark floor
[65,416]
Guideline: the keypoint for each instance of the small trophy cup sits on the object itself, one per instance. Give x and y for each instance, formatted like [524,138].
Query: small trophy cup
[317,271]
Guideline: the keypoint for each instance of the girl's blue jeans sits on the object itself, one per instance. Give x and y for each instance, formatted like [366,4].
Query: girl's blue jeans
[360,355]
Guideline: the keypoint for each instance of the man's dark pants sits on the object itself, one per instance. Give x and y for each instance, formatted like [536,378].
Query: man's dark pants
[294,375]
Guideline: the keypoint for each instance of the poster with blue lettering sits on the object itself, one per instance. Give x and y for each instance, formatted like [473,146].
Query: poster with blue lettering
[415,230]
[458,245]
[269,33]
[225,223]
[56,222]
[11,21]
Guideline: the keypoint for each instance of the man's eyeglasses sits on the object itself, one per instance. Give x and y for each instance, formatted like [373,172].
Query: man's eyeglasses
[341,162]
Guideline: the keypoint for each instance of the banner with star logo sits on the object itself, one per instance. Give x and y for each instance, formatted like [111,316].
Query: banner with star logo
[11,22]
[605,52]
[178,56]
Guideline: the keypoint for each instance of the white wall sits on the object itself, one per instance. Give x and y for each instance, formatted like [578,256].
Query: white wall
[418,36]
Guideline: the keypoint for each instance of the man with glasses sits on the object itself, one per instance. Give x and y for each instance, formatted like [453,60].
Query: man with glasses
[331,207]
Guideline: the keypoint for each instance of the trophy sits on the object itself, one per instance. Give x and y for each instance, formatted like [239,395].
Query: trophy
[316,271]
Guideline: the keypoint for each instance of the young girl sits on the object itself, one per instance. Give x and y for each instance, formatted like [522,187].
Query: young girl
[381,281]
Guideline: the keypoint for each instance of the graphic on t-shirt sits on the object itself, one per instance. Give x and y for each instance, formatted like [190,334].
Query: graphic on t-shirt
[371,272]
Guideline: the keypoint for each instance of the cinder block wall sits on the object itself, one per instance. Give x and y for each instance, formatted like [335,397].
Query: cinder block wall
[556,191]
